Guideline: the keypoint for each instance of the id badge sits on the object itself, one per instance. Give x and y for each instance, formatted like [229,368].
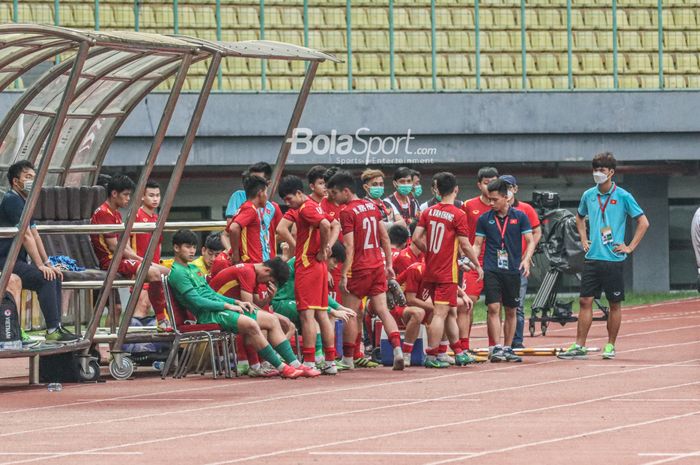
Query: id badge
[606,235]
[502,259]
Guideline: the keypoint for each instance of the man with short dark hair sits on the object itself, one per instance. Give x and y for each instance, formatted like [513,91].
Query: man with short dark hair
[500,233]
[211,248]
[139,241]
[119,190]
[245,225]
[607,207]
[536,235]
[39,275]
[317,183]
[401,201]
[436,198]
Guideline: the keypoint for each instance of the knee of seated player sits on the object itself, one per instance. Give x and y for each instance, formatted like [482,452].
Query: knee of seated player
[414,314]
[248,327]
[441,311]
[14,285]
[266,320]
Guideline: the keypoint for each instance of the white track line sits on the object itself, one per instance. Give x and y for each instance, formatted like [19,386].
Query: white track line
[398,399]
[244,383]
[337,414]
[85,453]
[573,436]
[656,400]
[394,453]
[159,400]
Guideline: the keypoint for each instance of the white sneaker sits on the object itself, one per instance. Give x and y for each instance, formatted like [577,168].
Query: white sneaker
[329,368]
[446,358]
[399,362]
[406,360]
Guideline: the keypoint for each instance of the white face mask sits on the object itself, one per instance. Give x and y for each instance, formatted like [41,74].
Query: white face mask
[28,184]
[510,195]
[599,177]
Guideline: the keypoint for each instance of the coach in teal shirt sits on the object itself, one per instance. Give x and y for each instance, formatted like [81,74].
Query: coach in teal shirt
[607,207]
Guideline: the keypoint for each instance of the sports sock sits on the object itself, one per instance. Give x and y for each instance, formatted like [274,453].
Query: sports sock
[443,346]
[492,342]
[241,350]
[330,353]
[157,298]
[358,346]
[464,342]
[348,349]
[309,355]
[268,354]
[395,339]
[318,347]
[284,348]
[431,353]
[407,348]
[456,348]
[252,354]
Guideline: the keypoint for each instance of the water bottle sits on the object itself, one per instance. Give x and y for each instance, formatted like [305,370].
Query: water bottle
[158,365]
[55,387]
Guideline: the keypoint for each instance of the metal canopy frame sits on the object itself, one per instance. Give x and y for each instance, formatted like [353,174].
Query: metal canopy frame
[81,103]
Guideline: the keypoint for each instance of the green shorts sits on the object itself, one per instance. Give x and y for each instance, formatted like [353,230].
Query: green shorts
[227,319]
[287,308]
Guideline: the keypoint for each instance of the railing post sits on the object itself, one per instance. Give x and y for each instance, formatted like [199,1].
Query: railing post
[15,11]
[348,33]
[219,73]
[137,16]
[433,44]
[56,13]
[263,63]
[616,83]
[523,39]
[569,46]
[176,18]
[477,44]
[306,28]
[392,53]
[97,15]
[660,11]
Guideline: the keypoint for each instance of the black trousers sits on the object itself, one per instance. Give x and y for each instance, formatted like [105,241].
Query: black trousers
[49,292]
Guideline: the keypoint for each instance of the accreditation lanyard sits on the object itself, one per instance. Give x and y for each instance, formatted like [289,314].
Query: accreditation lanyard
[502,230]
[603,206]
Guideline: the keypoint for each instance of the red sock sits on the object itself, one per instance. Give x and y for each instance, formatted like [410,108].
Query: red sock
[395,339]
[348,349]
[252,355]
[407,348]
[442,348]
[329,352]
[492,342]
[432,351]
[309,354]
[157,298]
[464,342]
[456,348]
[241,351]
[358,346]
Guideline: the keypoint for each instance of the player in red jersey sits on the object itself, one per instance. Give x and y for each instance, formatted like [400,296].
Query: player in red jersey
[417,311]
[442,234]
[139,241]
[240,282]
[402,256]
[244,226]
[368,261]
[316,233]
[474,208]
[119,191]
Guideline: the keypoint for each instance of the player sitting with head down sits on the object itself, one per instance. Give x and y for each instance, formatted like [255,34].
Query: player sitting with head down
[403,255]
[441,234]
[365,270]
[192,291]
[316,233]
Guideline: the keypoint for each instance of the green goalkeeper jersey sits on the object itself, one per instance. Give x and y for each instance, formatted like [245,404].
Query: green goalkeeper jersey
[192,290]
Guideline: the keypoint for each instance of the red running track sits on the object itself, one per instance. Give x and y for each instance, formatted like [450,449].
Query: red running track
[642,408]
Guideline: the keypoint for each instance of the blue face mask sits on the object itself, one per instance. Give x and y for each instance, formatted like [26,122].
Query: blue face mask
[376,192]
[418,190]
[404,189]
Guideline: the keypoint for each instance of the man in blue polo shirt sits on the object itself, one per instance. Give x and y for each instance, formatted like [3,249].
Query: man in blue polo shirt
[39,275]
[607,207]
[503,229]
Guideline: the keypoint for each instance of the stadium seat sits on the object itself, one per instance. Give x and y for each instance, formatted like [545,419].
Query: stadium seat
[685,63]
[540,83]
[247,17]
[453,83]
[497,83]
[377,41]
[364,83]
[419,18]
[640,19]
[650,40]
[548,63]
[629,82]
[675,82]
[637,63]
[592,63]
[539,40]
[585,40]
[629,40]
[458,64]
[503,65]
[369,64]
[414,65]
[462,18]
[584,82]
[684,18]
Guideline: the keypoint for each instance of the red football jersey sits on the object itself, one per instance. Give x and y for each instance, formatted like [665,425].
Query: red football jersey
[272,234]
[248,218]
[309,216]
[220,263]
[234,279]
[332,210]
[410,279]
[139,242]
[104,215]
[531,215]
[474,208]
[405,258]
[443,224]
[362,219]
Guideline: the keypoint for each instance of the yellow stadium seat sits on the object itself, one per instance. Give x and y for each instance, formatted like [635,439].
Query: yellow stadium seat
[443,18]
[186,17]
[35,13]
[460,40]
[560,40]
[597,19]
[505,18]
[604,40]
[413,41]
[693,82]
[378,17]
[638,63]
[548,63]
[630,40]
[604,82]
[577,19]
[334,18]
[364,83]
[409,83]
[592,63]
[458,64]
[485,18]
[164,16]
[360,17]
[279,84]
[377,40]
[539,40]
[640,19]
[295,37]
[401,19]
[684,18]
[686,63]
[247,17]
[531,19]
[650,40]
[236,83]
[540,83]
[675,82]
[462,18]
[419,17]
[503,64]
[628,82]
[369,64]
[273,18]
[322,84]
[649,82]
[453,83]
[291,17]
[6,13]
[414,65]
[334,40]
[501,40]
[205,16]
[622,19]
[674,40]
[497,83]
[584,82]
[585,40]
[551,18]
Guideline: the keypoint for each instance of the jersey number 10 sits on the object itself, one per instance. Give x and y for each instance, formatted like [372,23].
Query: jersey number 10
[437,234]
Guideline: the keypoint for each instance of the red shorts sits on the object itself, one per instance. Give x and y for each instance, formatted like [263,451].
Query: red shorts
[128,267]
[441,293]
[311,286]
[336,273]
[368,282]
[397,313]
[474,287]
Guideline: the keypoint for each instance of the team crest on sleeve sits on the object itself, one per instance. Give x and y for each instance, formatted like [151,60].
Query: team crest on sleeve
[514,221]
[475,212]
